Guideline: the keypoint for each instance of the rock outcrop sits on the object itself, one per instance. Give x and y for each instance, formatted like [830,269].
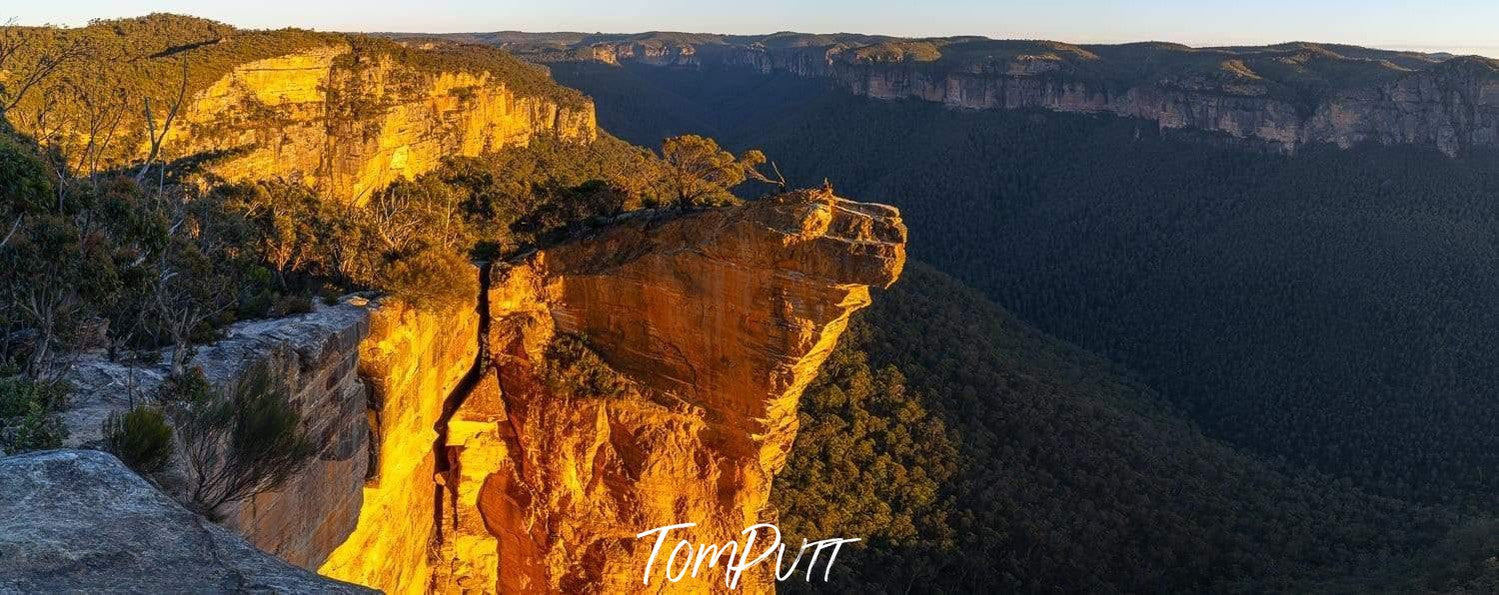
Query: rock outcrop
[1283,96]
[720,320]
[715,320]
[344,114]
[315,356]
[348,124]
[459,451]
[80,521]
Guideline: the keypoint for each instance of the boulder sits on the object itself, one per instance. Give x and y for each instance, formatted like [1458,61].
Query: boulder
[79,520]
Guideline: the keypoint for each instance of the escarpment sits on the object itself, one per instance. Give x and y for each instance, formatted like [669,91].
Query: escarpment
[1283,96]
[642,374]
[343,114]
[1451,107]
[348,123]
[714,322]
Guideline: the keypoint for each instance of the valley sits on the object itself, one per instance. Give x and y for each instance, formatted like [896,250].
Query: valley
[432,313]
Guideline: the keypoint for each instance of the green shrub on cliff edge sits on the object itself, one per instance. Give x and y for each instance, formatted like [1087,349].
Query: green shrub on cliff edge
[432,278]
[140,437]
[242,443]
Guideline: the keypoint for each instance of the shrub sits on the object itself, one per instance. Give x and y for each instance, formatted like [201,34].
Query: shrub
[432,277]
[290,304]
[574,370]
[241,444]
[329,294]
[28,414]
[24,185]
[188,388]
[140,437]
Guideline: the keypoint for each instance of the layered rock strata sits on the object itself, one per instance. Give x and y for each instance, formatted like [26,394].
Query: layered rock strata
[458,452]
[1283,96]
[719,320]
[315,356]
[350,126]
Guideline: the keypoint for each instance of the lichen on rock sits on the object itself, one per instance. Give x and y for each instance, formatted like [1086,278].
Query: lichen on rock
[80,521]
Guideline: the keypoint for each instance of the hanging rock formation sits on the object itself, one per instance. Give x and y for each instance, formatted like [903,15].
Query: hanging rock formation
[643,374]
[715,322]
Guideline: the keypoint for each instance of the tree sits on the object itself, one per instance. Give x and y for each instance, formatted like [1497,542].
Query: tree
[195,278]
[29,61]
[238,445]
[699,171]
[155,136]
[140,437]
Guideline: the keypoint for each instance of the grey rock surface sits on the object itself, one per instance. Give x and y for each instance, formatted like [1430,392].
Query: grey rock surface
[315,356]
[80,521]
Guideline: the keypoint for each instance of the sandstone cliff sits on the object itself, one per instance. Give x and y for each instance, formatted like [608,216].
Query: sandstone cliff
[458,452]
[1284,96]
[346,114]
[718,320]
[349,124]
[315,355]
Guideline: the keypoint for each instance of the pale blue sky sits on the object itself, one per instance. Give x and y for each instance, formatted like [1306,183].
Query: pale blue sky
[1464,26]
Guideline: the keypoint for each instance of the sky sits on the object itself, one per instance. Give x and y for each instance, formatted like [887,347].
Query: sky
[1459,26]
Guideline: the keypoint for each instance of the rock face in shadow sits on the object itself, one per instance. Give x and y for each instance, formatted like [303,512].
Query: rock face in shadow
[79,520]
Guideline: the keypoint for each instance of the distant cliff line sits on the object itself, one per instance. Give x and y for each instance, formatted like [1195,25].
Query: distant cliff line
[1286,95]
[345,114]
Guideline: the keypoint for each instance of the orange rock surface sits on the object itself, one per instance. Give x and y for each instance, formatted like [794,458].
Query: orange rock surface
[721,318]
[716,321]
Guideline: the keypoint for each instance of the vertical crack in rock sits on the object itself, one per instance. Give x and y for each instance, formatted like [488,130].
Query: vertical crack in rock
[451,404]
[502,474]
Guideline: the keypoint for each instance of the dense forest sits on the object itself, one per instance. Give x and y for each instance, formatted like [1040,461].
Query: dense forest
[1293,392]
[1132,361]
[1330,307]
[984,454]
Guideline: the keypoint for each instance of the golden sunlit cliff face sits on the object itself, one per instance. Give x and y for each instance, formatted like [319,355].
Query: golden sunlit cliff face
[350,125]
[489,476]
[344,114]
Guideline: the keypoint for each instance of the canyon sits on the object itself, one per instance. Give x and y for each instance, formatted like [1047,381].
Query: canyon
[455,455]
[1281,97]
